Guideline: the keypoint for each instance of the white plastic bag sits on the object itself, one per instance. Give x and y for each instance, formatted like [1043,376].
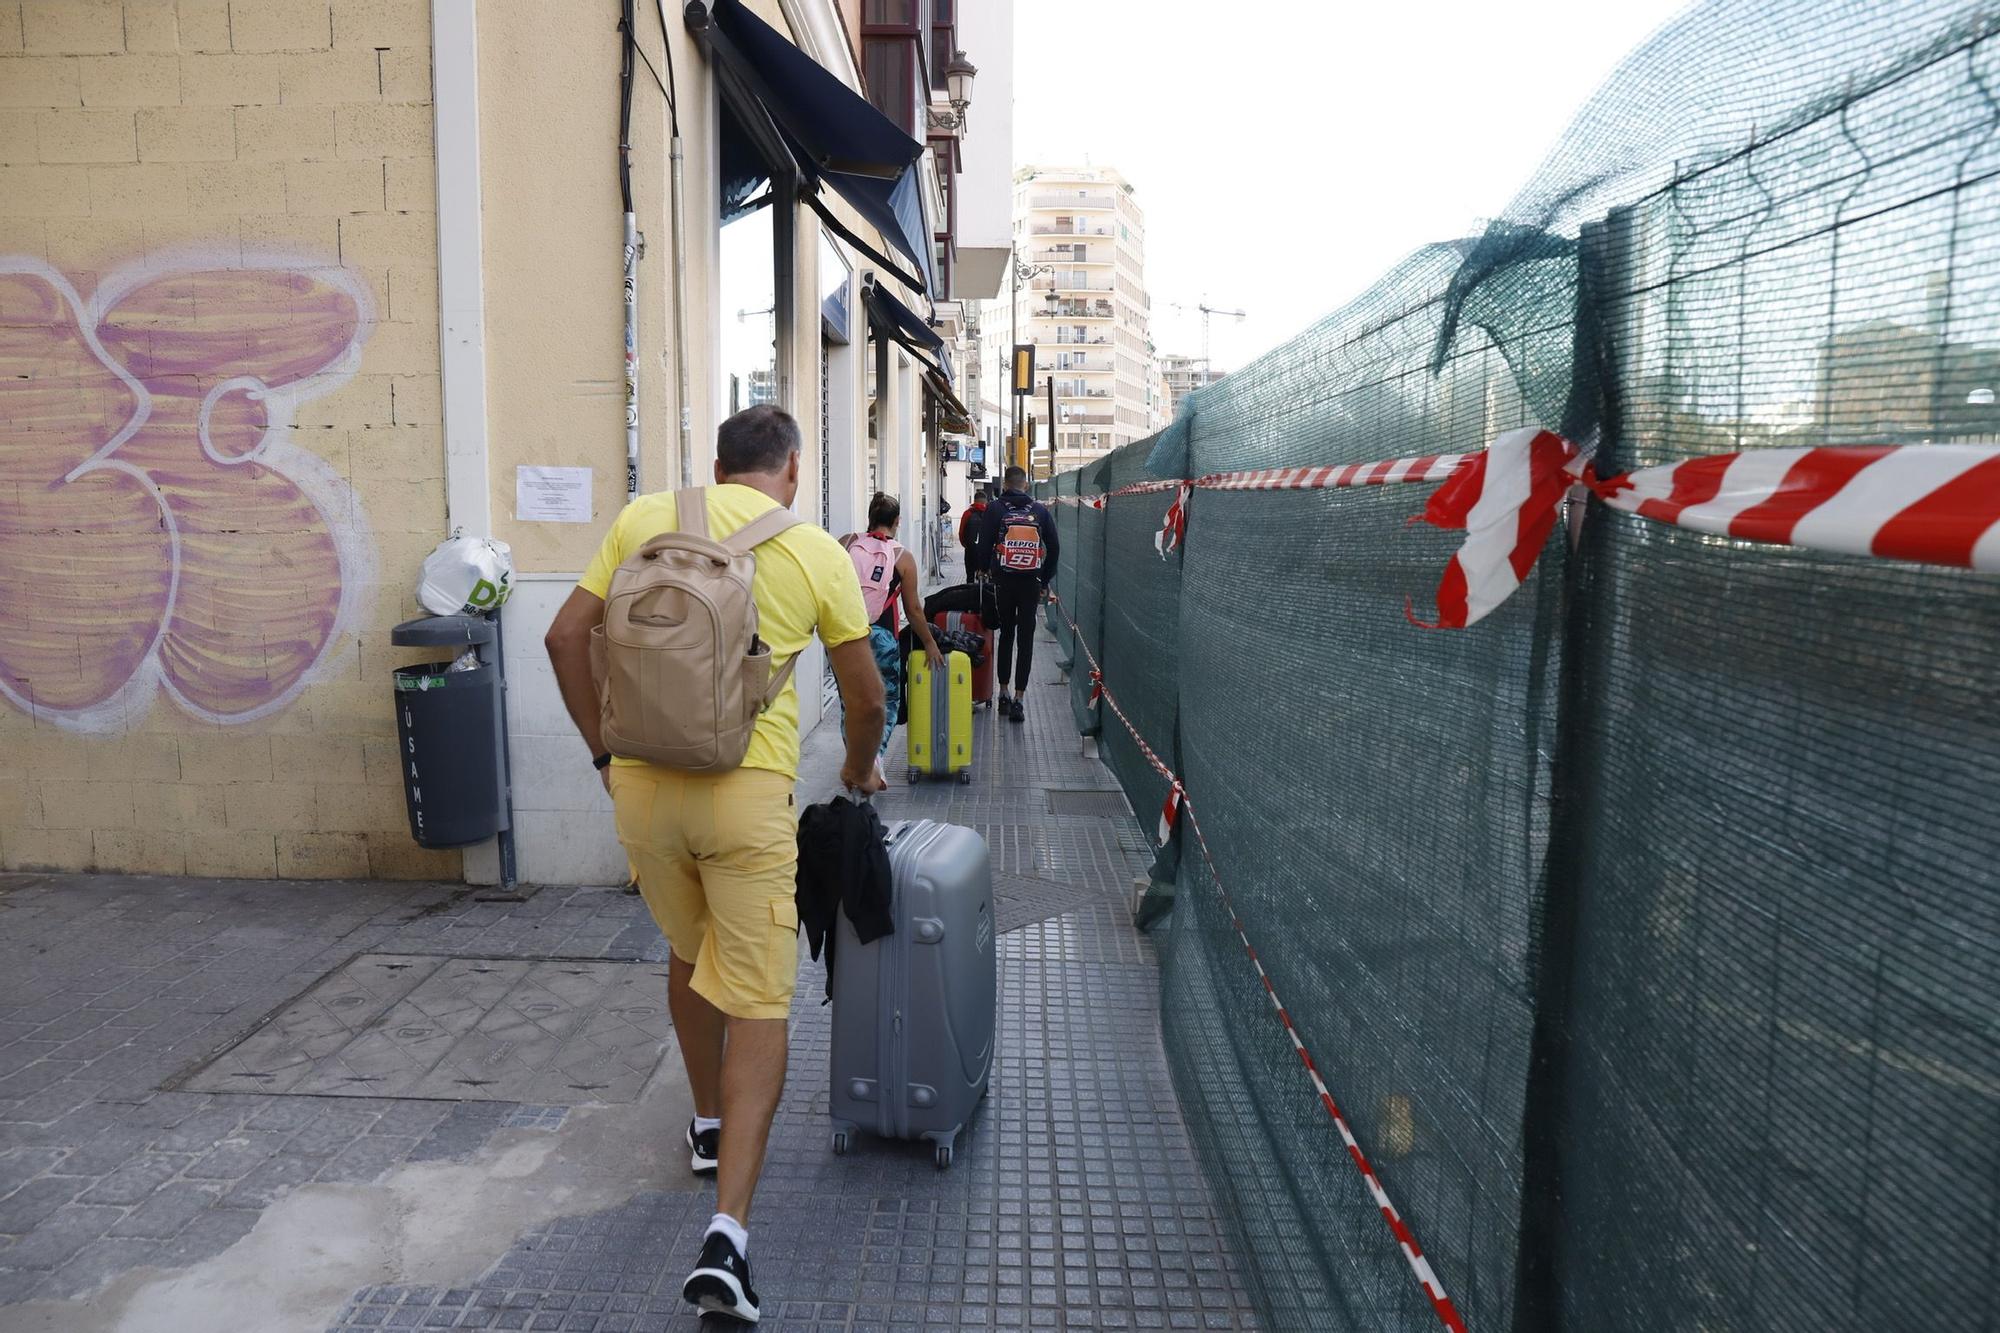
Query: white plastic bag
[466,576]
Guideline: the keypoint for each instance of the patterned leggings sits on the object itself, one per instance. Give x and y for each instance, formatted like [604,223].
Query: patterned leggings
[888,661]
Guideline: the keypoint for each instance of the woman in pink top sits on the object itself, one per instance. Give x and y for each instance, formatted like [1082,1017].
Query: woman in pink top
[888,577]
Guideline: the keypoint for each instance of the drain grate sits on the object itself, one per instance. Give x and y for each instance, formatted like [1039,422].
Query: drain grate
[546,1032]
[1100,804]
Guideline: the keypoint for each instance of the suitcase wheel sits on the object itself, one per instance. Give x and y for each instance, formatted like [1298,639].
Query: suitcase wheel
[965,777]
[915,774]
[840,1143]
[942,1156]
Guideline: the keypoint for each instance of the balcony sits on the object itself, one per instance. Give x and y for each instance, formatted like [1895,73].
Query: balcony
[1066,229]
[1080,310]
[1082,201]
[1059,283]
[1066,338]
[1052,256]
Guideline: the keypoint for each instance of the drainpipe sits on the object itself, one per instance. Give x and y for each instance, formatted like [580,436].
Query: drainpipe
[635,245]
[680,309]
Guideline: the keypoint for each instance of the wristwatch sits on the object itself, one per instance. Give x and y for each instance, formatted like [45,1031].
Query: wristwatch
[602,761]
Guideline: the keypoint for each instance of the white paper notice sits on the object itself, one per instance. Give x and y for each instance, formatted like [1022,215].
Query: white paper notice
[552,494]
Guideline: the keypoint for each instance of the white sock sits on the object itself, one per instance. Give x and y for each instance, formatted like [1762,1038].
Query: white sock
[704,1123]
[738,1234]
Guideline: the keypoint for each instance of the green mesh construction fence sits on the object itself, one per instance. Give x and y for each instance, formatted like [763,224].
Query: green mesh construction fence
[1646,933]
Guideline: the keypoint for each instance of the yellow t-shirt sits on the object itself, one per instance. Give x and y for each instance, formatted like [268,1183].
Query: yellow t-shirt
[804,582]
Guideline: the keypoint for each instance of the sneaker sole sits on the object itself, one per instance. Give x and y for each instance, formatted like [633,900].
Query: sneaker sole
[701,1166]
[713,1291]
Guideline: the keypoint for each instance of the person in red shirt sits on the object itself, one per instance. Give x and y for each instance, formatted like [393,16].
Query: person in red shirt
[971,527]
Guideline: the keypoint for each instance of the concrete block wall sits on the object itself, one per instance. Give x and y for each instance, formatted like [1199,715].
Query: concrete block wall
[221,459]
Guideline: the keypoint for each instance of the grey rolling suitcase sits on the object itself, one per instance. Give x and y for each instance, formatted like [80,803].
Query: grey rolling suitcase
[913,1011]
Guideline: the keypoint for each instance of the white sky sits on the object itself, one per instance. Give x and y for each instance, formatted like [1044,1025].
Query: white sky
[1287,152]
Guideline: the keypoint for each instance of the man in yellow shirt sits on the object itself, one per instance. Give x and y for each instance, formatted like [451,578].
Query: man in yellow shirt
[717,854]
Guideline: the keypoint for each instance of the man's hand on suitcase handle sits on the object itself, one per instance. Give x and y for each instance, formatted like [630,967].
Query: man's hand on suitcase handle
[865,784]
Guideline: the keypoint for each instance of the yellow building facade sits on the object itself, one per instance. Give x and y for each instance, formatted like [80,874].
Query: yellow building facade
[289,291]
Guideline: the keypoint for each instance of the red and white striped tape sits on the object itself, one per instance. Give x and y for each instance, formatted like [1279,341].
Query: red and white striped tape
[1180,806]
[1430,467]
[1938,504]
[1174,526]
[1505,499]
[1931,503]
[1170,813]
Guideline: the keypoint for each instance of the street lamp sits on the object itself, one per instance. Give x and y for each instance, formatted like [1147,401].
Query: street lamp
[958,76]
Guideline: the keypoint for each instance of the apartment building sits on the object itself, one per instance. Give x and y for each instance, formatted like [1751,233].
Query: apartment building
[1078,294]
[290,290]
[1182,375]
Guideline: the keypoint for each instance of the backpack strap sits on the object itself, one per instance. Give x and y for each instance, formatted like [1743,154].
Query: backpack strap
[777,685]
[746,539]
[760,530]
[691,508]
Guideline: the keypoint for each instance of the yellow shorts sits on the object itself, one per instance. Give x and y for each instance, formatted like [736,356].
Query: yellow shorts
[717,858]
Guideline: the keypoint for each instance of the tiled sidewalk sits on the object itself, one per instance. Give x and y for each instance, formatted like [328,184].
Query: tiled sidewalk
[1075,1200]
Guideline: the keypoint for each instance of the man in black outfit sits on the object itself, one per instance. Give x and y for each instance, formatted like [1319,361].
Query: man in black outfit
[1020,548]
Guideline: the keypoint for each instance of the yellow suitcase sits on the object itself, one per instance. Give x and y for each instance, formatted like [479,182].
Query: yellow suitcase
[940,718]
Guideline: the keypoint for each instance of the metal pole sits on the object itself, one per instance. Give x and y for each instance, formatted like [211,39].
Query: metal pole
[1014,358]
[1052,423]
[508,871]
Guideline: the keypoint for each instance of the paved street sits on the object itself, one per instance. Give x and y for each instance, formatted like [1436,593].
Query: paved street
[359,1105]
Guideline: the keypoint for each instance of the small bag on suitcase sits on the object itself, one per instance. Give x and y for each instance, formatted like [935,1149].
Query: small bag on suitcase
[913,1011]
[940,704]
[977,595]
[982,666]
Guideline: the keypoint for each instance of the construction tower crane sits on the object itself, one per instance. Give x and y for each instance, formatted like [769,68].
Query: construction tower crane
[1207,311]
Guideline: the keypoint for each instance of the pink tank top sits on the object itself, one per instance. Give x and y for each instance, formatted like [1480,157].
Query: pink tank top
[875,564]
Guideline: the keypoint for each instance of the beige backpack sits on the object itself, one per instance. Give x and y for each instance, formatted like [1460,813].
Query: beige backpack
[681,674]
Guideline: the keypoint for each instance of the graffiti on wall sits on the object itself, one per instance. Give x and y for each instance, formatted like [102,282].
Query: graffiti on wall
[160,530]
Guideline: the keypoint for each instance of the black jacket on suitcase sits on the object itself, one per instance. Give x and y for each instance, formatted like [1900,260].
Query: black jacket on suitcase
[843,863]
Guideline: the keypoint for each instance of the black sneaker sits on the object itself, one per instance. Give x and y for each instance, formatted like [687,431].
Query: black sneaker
[704,1147]
[720,1283]
[1015,712]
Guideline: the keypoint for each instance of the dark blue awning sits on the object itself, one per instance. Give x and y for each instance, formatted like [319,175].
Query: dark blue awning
[899,318]
[833,134]
[901,323]
[906,327]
